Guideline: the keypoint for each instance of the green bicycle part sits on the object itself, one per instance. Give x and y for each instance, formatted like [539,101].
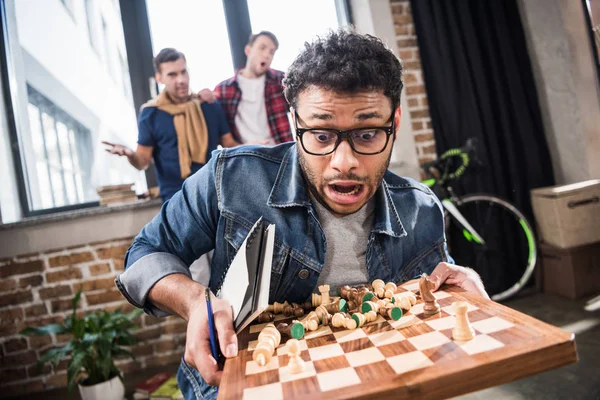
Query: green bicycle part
[470,237]
[429,182]
[530,241]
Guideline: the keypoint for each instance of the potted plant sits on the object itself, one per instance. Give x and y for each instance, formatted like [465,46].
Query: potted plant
[97,339]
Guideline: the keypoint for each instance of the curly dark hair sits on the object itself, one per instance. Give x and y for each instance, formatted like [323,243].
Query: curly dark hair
[345,62]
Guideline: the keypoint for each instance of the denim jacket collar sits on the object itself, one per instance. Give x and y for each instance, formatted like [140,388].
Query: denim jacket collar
[290,190]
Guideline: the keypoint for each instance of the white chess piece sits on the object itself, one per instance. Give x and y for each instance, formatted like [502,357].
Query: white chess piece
[462,331]
[296,363]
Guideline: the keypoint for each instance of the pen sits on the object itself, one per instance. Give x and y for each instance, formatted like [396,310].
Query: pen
[211,327]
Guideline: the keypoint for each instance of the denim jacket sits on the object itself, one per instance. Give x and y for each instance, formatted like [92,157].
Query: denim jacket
[218,205]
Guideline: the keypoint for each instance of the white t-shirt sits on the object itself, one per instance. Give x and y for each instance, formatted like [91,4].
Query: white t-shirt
[251,118]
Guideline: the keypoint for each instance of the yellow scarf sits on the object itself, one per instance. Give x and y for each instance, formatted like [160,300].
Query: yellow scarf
[190,126]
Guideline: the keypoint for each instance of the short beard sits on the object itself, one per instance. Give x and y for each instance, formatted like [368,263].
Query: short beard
[310,179]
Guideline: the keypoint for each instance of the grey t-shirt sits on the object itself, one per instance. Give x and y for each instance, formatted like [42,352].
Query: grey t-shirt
[347,238]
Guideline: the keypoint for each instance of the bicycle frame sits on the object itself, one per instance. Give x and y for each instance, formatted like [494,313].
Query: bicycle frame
[448,203]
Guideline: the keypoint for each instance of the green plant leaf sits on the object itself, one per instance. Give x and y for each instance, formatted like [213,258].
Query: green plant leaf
[44,330]
[75,366]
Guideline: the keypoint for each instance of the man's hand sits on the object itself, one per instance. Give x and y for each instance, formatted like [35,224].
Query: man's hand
[452,274]
[197,345]
[207,95]
[118,149]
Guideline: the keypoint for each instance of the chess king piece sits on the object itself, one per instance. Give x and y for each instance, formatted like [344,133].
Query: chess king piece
[268,340]
[296,363]
[431,305]
[462,331]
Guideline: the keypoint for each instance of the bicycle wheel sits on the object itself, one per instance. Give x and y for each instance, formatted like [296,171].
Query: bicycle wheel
[507,259]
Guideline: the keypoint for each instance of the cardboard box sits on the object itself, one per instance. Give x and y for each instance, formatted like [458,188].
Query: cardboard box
[573,272]
[569,215]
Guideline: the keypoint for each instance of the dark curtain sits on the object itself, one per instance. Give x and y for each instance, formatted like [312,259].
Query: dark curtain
[480,84]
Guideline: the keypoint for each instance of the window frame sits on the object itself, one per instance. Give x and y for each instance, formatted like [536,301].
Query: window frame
[138,50]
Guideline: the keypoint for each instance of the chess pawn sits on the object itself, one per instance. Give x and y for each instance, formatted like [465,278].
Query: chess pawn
[338,320]
[369,306]
[462,331]
[325,298]
[345,292]
[296,363]
[312,321]
[338,306]
[268,340]
[391,312]
[405,300]
[292,311]
[266,317]
[351,305]
[378,287]
[371,316]
[359,318]
[295,330]
[390,289]
[309,325]
[306,306]
[277,308]
[351,323]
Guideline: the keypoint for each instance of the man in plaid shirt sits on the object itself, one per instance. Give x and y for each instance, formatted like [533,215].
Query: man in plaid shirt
[253,99]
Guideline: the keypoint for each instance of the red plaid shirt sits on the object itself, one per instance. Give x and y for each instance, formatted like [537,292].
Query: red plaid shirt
[229,94]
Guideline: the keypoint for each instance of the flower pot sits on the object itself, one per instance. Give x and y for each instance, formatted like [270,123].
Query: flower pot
[112,389]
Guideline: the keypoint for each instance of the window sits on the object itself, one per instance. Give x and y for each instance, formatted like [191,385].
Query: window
[62,151]
[201,35]
[65,103]
[268,15]
[91,23]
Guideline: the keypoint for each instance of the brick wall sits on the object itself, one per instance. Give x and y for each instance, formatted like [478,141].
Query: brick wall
[414,85]
[36,289]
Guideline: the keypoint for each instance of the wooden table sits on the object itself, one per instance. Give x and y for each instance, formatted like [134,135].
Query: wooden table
[414,357]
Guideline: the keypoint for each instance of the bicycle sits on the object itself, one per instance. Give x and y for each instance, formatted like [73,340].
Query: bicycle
[484,231]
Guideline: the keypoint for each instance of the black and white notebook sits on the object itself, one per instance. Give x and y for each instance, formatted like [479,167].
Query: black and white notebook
[247,282]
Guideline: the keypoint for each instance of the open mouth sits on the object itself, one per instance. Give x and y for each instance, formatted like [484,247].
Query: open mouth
[346,190]
[263,64]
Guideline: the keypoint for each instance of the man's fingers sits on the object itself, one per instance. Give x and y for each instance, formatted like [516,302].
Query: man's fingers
[227,337]
[201,358]
[107,143]
[439,275]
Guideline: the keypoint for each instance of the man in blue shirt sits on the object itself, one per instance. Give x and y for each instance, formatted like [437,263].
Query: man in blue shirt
[330,187]
[175,129]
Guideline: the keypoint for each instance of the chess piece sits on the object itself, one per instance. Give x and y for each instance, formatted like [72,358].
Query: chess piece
[268,340]
[346,292]
[312,321]
[431,305]
[291,311]
[378,287]
[296,363]
[295,330]
[338,320]
[391,311]
[277,308]
[316,299]
[369,306]
[323,314]
[371,316]
[306,306]
[462,331]
[309,325]
[405,300]
[266,317]
[390,289]
[338,306]
[324,289]
[359,318]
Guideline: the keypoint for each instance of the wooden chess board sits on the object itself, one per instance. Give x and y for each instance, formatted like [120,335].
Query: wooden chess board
[413,357]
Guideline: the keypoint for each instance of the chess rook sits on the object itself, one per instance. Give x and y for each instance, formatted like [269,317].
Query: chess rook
[324,289]
[462,331]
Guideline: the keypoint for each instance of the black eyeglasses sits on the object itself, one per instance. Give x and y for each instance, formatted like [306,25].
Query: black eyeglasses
[324,141]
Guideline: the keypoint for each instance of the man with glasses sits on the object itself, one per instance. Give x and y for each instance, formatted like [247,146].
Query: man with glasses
[341,217]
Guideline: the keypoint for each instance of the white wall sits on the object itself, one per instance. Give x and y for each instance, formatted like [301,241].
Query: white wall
[374,17]
[567,85]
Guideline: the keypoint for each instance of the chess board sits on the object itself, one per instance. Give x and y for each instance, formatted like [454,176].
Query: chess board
[413,357]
